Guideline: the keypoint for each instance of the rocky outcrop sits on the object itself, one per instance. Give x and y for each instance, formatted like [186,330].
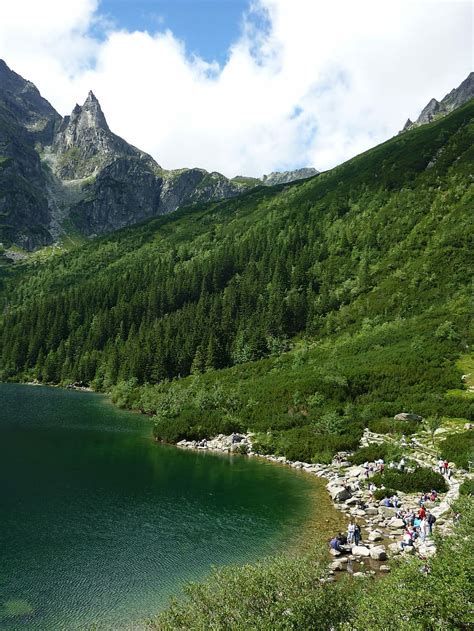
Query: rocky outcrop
[284,177]
[408,416]
[84,145]
[454,99]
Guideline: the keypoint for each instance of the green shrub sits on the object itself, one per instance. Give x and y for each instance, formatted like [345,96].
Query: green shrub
[374,452]
[381,494]
[459,448]
[467,487]
[369,454]
[390,426]
[418,481]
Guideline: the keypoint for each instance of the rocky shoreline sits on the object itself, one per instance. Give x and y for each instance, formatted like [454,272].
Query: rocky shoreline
[381,529]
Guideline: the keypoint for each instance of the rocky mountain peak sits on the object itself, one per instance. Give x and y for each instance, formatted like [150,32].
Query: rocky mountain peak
[434,109]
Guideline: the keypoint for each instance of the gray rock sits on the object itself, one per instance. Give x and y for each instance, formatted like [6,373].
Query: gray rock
[360,551]
[406,416]
[375,536]
[378,553]
[339,493]
[396,524]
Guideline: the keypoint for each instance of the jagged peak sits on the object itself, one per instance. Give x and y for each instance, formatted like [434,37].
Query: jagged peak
[91,98]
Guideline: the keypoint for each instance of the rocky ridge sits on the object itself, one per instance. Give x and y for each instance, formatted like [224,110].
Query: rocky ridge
[435,109]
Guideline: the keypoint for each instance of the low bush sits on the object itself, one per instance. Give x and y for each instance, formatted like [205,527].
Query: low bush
[418,481]
[374,452]
[390,426]
[459,448]
[381,494]
[467,487]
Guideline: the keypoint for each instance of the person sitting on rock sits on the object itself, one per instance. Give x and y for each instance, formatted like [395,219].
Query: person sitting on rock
[342,539]
[406,541]
[335,544]
[433,496]
[387,503]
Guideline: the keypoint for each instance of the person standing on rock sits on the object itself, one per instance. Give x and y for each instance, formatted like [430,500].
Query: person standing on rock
[423,529]
[446,467]
[357,534]
[441,466]
[350,532]
[430,518]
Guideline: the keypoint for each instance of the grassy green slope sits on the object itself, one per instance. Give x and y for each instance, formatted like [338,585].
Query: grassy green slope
[310,309]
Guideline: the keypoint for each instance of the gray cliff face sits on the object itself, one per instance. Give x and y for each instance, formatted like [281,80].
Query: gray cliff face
[285,177]
[124,192]
[26,119]
[56,171]
[454,99]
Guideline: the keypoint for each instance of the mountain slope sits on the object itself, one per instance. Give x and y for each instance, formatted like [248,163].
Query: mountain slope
[353,261]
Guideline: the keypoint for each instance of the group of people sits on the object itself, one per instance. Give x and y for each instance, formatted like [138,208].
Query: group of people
[444,468]
[353,537]
[417,525]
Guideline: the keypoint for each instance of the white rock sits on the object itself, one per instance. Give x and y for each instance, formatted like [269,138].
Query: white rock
[375,536]
[360,551]
[378,553]
[396,524]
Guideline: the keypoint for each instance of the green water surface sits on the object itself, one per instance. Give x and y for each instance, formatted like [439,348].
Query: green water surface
[99,525]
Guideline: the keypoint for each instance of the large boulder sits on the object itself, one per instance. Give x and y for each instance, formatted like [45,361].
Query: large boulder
[406,416]
[387,511]
[339,493]
[378,553]
[394,548]
[360,551]
[375,536]
[334,553]
[396,524]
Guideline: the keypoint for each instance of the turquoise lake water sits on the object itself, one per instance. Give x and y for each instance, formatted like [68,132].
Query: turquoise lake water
[99,525]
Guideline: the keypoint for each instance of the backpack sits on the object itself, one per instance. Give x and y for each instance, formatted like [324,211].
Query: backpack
[431,519]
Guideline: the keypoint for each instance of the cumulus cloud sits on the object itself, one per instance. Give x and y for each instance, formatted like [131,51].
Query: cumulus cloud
[306,83]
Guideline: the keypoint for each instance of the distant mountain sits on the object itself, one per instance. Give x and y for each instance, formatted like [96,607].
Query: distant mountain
[435,109]
[64,175]
[284,177]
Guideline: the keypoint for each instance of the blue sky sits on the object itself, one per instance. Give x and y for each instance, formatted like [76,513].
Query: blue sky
[208,27]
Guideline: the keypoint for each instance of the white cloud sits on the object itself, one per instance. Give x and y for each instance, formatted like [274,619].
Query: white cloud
[313,83]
